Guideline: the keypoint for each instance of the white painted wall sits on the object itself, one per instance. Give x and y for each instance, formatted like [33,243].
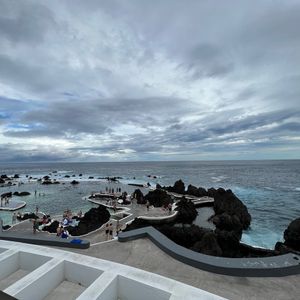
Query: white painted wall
[104,280]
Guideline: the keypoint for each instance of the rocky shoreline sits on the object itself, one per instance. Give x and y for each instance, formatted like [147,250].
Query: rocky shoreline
[231,218]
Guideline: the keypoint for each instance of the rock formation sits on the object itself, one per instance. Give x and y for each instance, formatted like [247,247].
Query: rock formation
[291,238]
[138,195]
[186,211]
[158,198]
[21,194]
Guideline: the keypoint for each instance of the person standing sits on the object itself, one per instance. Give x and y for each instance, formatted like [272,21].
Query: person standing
[148,205]
[111,231]
[14,218]
[118,228]
[35,225]
[106,231]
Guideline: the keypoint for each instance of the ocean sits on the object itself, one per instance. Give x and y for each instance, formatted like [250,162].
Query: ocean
[270,188]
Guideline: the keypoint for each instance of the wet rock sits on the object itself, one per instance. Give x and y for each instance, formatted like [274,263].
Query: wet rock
[227,202]
[292,235]
[21,194]
[16,176]
[74,182]
[67,176]
[2,181]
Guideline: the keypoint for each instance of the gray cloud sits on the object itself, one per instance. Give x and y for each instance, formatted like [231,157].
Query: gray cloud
[24,21]
[146,80]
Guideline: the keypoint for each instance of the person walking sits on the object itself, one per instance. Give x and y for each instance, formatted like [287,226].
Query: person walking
[35,225]
[106,231]
[14,218]
[111,231]
[1,224]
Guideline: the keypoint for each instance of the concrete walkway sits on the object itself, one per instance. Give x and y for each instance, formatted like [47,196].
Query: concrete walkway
[145,255]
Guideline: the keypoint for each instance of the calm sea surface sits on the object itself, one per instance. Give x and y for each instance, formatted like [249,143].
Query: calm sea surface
[270,189]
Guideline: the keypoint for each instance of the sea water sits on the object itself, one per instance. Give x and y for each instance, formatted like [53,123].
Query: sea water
[270,189]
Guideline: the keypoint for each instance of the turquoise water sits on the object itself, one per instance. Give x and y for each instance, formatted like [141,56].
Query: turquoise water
[270,189]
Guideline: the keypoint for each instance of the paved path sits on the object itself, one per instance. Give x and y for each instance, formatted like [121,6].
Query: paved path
[145,255]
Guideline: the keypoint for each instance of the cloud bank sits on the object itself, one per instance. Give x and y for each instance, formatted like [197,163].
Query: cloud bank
[137,80]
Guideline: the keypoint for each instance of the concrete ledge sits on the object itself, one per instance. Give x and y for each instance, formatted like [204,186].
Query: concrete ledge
[92,278]
[13,205]
[275,266]
[43,239]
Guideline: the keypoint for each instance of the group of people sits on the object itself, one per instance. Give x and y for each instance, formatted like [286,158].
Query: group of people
[109,230]
[112,190]
[5,200]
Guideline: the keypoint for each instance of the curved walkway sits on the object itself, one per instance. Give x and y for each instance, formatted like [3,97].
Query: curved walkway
[275,266]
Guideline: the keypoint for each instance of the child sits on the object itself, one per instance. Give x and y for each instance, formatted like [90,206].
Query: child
[65,234]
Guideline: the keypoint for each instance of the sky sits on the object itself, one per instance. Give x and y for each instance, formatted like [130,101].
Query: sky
[149,80]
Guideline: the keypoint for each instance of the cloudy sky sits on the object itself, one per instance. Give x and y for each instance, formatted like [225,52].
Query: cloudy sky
[149,80]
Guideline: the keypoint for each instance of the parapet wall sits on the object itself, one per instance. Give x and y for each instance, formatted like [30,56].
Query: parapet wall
[274,266]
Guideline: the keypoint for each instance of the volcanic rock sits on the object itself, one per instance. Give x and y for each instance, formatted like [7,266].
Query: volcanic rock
[194,191]
[158,198]
[227,202]
[292,235]
[21,194]
[138,195]
[92,220]
[186,211]
[208,245]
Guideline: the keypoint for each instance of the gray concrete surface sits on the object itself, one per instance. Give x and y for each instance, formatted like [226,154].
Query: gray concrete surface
[143,254]
[66,290]
[12,278]
[281,265]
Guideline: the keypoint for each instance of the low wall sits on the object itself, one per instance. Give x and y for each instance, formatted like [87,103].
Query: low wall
[159,220]
[43,239]
[275,266]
